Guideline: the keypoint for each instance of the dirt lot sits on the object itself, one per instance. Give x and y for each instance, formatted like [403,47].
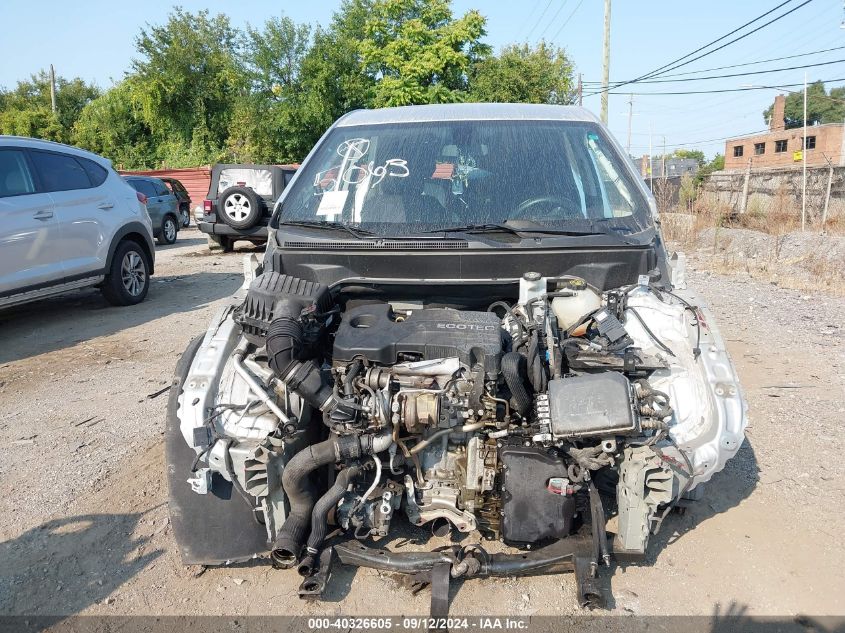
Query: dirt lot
[83,516]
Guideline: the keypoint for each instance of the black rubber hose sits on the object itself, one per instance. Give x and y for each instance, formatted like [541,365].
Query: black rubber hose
[284,351]
[300,495]
[320,517]
[297,487]
[284,343]
[351,374]
[513,369]
[531,358]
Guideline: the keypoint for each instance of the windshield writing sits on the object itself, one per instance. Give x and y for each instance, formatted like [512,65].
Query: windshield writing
[406,178]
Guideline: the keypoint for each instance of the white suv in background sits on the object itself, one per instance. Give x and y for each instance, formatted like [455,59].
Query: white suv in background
[68,221]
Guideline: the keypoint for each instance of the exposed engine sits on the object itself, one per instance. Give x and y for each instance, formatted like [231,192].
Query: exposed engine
[520,420]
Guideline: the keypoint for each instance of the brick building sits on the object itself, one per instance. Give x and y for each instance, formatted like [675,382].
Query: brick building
[781,147]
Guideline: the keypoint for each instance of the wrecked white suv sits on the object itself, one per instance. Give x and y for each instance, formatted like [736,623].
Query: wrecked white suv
[465,320]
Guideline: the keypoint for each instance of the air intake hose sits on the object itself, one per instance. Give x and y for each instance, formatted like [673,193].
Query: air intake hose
[284,349]
[514,371]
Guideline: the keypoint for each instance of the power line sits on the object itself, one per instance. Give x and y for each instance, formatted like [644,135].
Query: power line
[702,103]
[714,140]
[747,134]
[674,64]
[530,15]
[540,19]
[554,17]
[704,92]
[762,61]
[746,74]
[741,37]
[566,21]
[707,70]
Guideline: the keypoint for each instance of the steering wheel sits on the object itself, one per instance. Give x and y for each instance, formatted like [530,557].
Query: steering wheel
[555,207]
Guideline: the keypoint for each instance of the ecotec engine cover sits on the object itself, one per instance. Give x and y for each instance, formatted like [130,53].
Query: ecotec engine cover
[370,332]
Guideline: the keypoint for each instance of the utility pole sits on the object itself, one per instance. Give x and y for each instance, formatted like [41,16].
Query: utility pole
[580,91]
[53,88]
[804,162]
[827,194]
[630,116]
[650,162]
[605,71]
[663,161]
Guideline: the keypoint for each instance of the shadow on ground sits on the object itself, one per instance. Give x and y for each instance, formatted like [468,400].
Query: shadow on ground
[63,321]
[66,565]
[726,490]
[192,240]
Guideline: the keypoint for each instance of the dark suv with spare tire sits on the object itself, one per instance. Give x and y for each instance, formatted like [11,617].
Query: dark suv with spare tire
[240,202]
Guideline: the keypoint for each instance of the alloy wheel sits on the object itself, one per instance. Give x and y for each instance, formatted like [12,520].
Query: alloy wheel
[170,230]
[237,207]
[133,273]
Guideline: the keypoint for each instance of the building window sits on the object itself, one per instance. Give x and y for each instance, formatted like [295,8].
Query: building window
[780,147]
[760,148]
[811,143]
[737,151]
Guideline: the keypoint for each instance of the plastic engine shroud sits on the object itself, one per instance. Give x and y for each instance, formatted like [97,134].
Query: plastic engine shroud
[475,338]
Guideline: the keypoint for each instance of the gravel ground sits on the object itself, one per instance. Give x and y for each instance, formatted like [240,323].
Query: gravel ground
[83,517]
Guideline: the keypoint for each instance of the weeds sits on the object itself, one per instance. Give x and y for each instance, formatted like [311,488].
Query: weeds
[770,247]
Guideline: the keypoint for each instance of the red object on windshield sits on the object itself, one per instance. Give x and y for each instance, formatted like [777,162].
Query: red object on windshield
[443,171]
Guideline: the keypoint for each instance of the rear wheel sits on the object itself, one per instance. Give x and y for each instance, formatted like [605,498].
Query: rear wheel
[128,279]
[169,229]
[185,215]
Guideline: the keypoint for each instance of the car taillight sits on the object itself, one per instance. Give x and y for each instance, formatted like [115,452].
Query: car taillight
[141,197]
[206,205]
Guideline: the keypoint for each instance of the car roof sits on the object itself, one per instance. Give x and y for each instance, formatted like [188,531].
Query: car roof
[36,143]
[286,167]
[140,177]
[467,112]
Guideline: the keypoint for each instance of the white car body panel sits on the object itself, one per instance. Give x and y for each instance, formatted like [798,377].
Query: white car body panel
[28,238]
[55,241]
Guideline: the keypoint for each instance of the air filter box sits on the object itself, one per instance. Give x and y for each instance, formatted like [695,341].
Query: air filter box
[592,405]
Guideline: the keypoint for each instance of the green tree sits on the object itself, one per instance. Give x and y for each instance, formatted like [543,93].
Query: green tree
[274,56]
[187,79]
[260,129]
[522,74]
[113,125]
[822,107]
[333,81]
[717,164]
[419,53]
[27,110]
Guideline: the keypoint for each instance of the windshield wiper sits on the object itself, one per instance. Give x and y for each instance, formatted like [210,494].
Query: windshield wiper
[478,228]
[518,227]
[332,226]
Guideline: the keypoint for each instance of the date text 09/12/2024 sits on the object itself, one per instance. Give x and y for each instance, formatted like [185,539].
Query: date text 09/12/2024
[481,623]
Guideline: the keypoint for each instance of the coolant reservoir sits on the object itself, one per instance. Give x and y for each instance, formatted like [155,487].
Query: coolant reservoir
[579,300]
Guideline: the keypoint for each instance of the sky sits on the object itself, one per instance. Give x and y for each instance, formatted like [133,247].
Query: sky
[97,44]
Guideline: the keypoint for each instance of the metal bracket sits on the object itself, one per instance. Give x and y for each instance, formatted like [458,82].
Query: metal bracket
[313,586]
